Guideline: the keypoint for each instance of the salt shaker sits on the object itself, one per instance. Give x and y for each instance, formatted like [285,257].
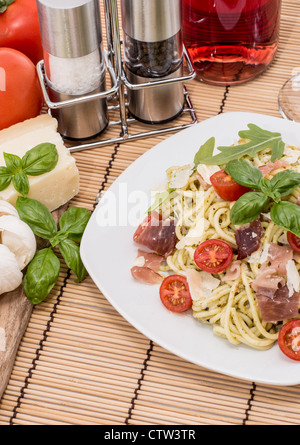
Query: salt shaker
[153,51]
[74,64]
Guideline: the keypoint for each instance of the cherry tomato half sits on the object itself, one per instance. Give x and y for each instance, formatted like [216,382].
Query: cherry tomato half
[289,339]
[213,256]
[294,241]
[175,294]
[226,187]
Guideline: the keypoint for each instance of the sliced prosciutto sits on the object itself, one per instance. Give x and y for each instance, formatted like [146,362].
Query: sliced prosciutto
[271,166]
[151,260]
[157,234]
[280,307]
[233,272]
[275,286]
[267,282]
[278,256]
[248,238]
[146,275]
[146,266]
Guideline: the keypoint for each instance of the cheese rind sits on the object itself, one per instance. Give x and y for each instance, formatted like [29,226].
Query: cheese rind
[53,188]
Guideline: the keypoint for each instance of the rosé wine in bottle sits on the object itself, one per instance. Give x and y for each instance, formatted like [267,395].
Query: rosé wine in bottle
[230,41]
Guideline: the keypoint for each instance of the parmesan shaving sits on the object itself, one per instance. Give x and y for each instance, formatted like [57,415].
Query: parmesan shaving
[180,177]
[206,171]
[139,261]
[293,279]
[201,284]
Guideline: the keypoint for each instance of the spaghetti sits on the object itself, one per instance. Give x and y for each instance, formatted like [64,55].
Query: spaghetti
[200,214]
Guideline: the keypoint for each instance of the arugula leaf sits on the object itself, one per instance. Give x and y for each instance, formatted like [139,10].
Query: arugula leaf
[244,173]
[160,197]
[248,207]
[41,275]
[205,151]
[259,139]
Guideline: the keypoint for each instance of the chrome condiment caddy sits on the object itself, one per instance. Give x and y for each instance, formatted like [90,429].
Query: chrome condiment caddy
[123,92]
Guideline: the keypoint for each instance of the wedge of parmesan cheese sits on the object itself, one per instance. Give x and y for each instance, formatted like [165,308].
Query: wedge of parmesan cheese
[54,188]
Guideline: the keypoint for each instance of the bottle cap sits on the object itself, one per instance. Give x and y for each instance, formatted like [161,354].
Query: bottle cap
[69,28]
[151,20]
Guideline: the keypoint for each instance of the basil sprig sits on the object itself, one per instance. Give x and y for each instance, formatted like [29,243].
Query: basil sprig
[248,208]
[41,276]
[43,270]
[36,161]
[256,140]
[267,194]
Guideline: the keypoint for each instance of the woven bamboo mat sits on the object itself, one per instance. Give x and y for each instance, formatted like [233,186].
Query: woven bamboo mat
[80,362]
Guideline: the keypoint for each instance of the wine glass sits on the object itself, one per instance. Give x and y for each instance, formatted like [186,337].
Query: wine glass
[289,98]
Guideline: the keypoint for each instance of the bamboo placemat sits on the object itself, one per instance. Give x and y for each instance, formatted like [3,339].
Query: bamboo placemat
[80,362]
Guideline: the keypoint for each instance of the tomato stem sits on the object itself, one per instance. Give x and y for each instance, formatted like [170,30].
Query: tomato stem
[4,5]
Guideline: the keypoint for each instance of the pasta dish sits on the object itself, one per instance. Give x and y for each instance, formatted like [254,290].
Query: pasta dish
[228,235]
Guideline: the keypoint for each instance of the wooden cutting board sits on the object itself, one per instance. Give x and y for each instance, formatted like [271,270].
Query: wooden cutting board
[15,312]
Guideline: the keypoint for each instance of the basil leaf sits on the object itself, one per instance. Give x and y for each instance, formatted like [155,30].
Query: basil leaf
[37,216]
[71,254]
[257,140]
[5,178]
[248,207]
[21,183]
[266,188]
[74,222]
[41,275]
[285,182]
[205,151]
[244,173]
[13,163]
[40,159]
[286,215]
[60,236]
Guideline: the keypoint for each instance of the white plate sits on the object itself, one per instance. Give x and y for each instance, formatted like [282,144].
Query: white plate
[108,252]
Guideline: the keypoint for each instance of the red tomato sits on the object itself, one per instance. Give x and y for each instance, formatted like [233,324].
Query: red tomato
[175,294]
[19,29]
[294,241]
[226,187]
[289,339]
[20,91]
[213,256]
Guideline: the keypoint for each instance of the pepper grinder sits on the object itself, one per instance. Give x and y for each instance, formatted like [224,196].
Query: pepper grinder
[74,64]
[153,51]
